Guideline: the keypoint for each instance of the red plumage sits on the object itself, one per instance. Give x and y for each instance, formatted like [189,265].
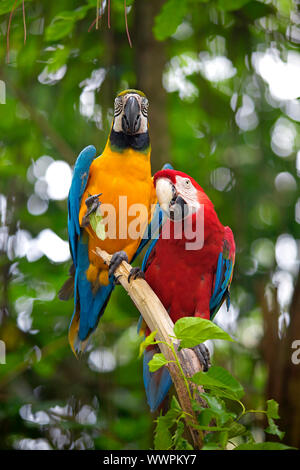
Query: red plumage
[184,279]
[189,282]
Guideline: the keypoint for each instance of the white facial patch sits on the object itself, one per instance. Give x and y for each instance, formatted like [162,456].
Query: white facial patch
[120,103]
[188,192]
[164,193]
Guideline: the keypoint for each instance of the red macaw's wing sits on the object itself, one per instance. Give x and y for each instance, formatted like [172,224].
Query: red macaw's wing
[223,275]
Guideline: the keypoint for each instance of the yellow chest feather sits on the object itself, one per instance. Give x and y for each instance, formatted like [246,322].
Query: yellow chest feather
[124,179]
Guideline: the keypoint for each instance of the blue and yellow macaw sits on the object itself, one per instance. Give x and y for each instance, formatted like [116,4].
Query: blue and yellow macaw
[123,169]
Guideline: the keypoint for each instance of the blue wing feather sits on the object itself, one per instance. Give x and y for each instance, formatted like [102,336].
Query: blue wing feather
[222,284]
[91,304]
[79,181]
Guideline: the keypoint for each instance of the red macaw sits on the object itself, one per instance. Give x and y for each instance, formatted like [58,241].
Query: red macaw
[188,281]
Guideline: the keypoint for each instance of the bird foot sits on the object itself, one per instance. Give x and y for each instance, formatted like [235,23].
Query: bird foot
[92,203]
[115,262]
[203,356]
[136,273]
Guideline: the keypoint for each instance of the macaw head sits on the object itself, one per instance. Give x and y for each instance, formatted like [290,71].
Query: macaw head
[131,113]
[178,194]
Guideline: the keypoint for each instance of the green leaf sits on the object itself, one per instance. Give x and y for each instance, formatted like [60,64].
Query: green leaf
[173,413]
[162,435]
[231,5]
[204,416]
[285,7]
[274,429]
[263,446]
[59,28]
[192,331]
[97,225]
[236,429]
[63,24]
[211,446]
[183,444]
[217,407]
[272,409]
[178,433]
[208,428]
[157,362]
[150,339]
[255,10]
[175,405]
[223,438]
[272,413]
[169,18]
[219,378]
[179,442]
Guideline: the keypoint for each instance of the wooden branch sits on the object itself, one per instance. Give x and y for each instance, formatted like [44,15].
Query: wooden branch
[158,320]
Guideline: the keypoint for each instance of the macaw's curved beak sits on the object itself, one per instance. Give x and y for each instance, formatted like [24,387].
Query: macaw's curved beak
[178,209]
[170,201]
[131,120]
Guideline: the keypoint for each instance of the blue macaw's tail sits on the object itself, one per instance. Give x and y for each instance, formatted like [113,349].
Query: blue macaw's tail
[89,305]
[157,384]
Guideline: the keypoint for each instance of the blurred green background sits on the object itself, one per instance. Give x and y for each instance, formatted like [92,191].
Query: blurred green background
[223,81]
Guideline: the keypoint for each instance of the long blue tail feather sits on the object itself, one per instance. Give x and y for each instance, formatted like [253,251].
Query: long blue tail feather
[157,384]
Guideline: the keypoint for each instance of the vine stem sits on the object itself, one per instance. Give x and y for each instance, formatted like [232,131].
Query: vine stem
[243,409]
[108,14]
[126,24]
[171,345]
[24,21]
[8,31]
[177,362]
[244,412]
[97,14]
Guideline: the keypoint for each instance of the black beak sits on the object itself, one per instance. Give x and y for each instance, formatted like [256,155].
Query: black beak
[178,208]
[131,119]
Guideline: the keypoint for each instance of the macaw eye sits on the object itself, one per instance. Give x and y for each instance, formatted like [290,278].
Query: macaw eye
[187,183]
[118,106]
[144,107]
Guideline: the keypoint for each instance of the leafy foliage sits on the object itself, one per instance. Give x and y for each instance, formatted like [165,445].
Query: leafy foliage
[173,419]
[157,362]
[170,17]
[192,331]
[221,381]
[218,422]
